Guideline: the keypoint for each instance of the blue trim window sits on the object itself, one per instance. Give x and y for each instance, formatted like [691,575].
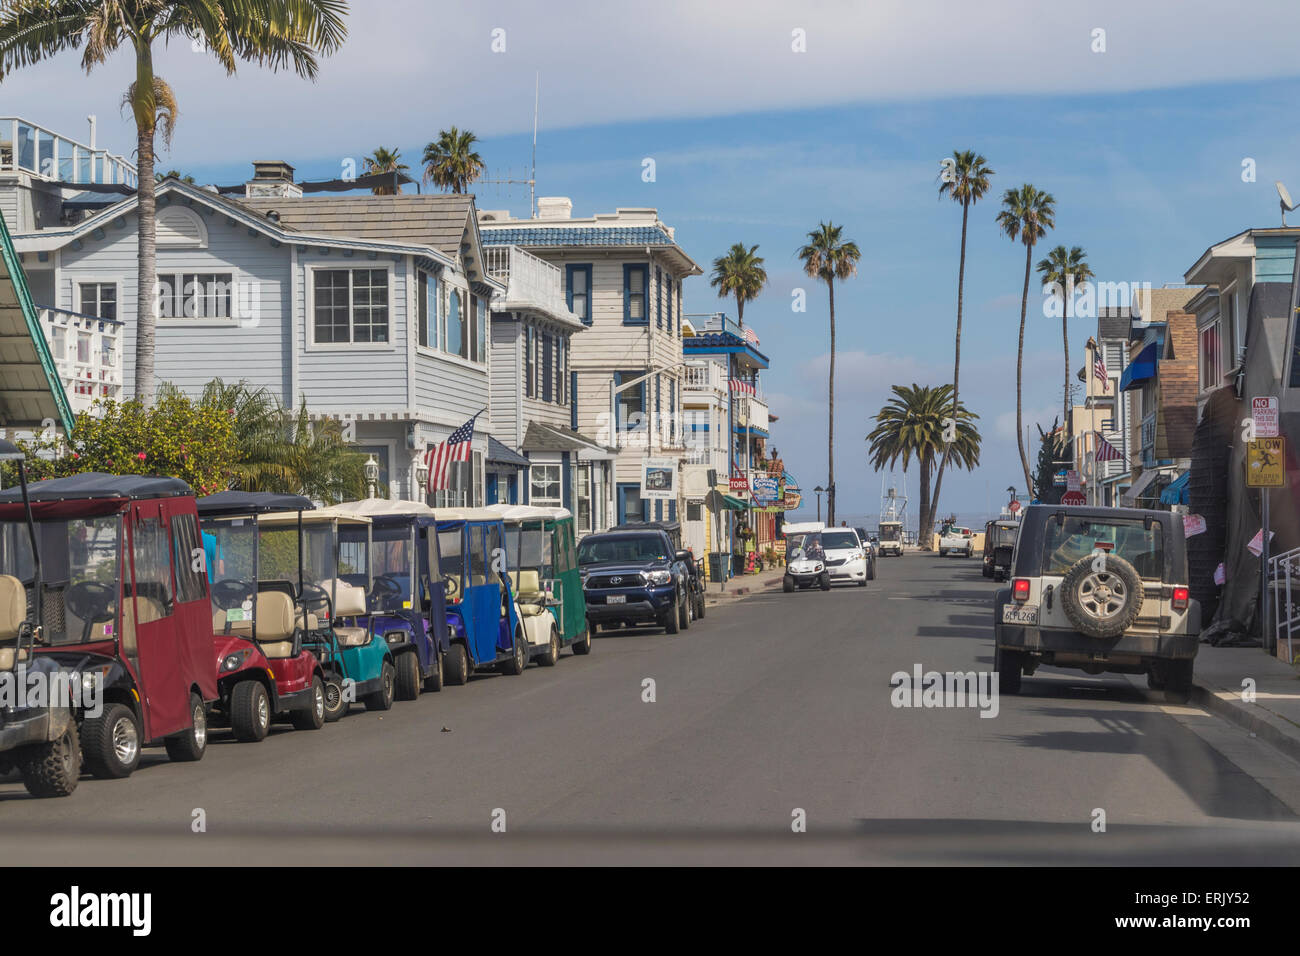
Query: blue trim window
[672,410]
[659,406]
[548,368]
[529,386]
[577,291]
[629,405]
[672,294]
[659,299]
[429,314]
[635,280]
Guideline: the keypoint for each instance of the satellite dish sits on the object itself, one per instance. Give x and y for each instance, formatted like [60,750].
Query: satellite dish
[1285,200]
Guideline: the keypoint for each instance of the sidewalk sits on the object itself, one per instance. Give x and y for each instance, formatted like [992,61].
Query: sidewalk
[743,585]
[1274,715]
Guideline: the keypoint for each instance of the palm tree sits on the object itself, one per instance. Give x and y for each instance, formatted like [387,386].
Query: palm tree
[271,33]
[384,161]
[1065,269]
[1027,214]
[966,186]
[173,174]
[828,256]
[277,450]
[910,426]
[739,273]
[450,161]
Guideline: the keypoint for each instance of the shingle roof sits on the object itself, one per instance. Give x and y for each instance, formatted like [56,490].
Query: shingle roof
[438,221]
[577,236]
[541,437]
[500,454]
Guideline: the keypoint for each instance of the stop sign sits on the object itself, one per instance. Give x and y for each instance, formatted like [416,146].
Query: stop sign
[1073,498]
[1013,507]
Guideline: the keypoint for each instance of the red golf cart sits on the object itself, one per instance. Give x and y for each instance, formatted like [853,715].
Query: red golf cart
[263,669]
[118,596]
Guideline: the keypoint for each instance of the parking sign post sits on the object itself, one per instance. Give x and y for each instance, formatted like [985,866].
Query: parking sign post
[1266,469]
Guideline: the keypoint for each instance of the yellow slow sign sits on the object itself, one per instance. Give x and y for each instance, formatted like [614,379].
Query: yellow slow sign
[1266,463]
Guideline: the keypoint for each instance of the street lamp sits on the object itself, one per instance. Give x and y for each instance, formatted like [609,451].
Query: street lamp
[421,479]
[819,489]
[372,473]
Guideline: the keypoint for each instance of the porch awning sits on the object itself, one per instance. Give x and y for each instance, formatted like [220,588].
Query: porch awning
[1129,498]
[1176,493]
[716,501]
[1140,369]
[499,454]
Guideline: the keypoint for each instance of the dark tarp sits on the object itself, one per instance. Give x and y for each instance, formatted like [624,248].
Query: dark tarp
[335,185]
[227,503]
[96,484]
[1267,330]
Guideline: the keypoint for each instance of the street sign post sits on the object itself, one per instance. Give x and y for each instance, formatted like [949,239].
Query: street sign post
[1265,469]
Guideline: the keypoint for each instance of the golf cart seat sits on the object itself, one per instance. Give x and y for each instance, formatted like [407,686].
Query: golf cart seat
[13,612]
[527,586]
[350,601]
[275,624]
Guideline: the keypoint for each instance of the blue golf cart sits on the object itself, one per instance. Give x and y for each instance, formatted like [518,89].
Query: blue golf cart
[407,603]
[481,611]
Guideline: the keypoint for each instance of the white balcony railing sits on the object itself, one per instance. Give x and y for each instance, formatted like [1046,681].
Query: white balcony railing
[41,152]
[529,280]
[705,376]
[87,353]
[752,412]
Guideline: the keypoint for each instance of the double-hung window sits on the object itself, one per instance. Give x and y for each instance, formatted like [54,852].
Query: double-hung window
[544,486]
[1211,357]
[430,314]
[635,280]
[659,298]
[530,372]
[548,367]
[350,306]
[457,333]
[98,299]
[577,284]
[195,295]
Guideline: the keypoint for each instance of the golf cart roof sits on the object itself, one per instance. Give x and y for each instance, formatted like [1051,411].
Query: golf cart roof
[89,493]
[233,503]
[442,515]
[390,511]
[802,527]
[529,512]
[324,515]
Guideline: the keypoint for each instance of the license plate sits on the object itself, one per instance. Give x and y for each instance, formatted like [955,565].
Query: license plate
[1019,614]
[616,599]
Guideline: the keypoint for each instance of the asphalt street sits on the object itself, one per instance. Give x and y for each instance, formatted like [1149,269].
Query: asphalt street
[775,708]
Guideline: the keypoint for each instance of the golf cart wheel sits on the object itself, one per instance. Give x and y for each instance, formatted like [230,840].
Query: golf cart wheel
[313,718]
[699,607]
[433,683]
[519,659]
[51,769]
[336,704]
[408,676]
[110,743]
[684,613]
[1178,682]
[192,744]
[787,584]
[1102,603]
[382,699]
[871,570]
[552,654]
[583,644]
[1009,665]
[456,666]
[826,582]
[250,711]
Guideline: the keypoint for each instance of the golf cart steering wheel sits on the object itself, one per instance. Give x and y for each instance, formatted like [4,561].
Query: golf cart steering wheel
[315,597]
[386,586]
[231,593]
[451,586]
[92,602]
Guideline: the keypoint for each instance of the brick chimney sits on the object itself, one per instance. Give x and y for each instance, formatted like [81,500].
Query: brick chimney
[1179,370]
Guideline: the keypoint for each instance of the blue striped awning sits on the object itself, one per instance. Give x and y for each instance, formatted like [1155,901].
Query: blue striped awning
[1140,369]
[1176,493]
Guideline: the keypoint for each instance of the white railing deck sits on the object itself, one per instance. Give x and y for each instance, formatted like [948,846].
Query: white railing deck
[87,353]
[1284,581]
[44,153]
[528,278]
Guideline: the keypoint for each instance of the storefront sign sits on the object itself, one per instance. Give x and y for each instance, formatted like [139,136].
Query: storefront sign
[659,479]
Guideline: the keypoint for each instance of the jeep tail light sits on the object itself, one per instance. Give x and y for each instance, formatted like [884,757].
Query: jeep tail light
[1020,589]
[1180,599]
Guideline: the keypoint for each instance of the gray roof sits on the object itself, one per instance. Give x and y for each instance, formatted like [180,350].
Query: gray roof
[1113,322]
[438,220]
[541,437]
[500,454]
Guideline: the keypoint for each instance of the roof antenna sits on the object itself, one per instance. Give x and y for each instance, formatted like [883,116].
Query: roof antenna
[1285,200]
[531,181]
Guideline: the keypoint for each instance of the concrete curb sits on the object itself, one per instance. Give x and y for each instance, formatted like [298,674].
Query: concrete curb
[1259,720]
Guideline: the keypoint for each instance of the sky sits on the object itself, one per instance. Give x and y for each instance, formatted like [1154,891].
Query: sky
[764,119]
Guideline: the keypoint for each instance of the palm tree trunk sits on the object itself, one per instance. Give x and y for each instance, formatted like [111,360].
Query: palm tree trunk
[740,311]
[830,440]
[146,301]
[1020,371]
[1068,418]
[925,536]
[928,520]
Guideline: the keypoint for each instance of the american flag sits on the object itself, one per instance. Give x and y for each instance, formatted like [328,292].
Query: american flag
[1099,370]
[440,456]
[751,337]
[740,385]
[1106,451]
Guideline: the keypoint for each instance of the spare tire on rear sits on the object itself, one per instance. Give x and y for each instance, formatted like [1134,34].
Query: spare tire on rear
[1102,603]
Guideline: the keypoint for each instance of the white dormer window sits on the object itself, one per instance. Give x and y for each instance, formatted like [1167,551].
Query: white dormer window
[179,227]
